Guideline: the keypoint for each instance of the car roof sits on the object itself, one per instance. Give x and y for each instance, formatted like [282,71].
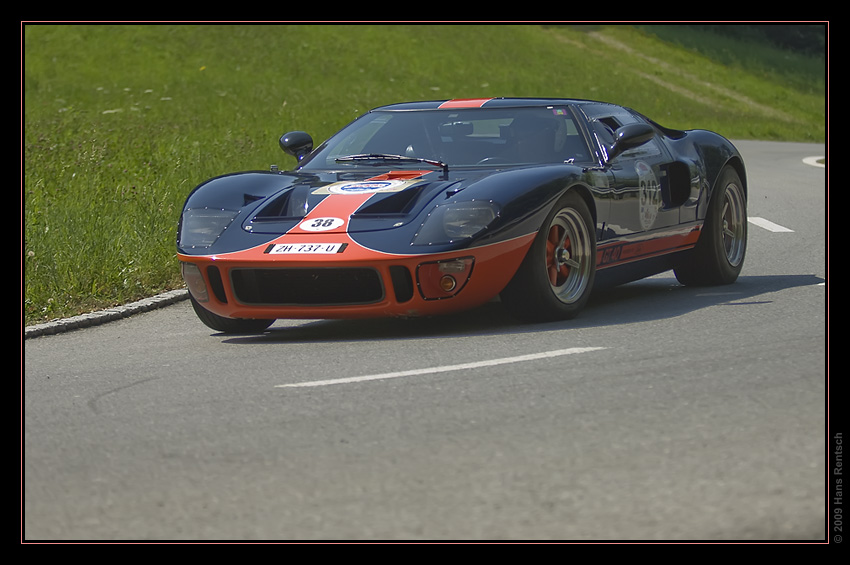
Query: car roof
[469,103]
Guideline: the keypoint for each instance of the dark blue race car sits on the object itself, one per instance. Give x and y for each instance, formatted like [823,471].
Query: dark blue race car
[425,208]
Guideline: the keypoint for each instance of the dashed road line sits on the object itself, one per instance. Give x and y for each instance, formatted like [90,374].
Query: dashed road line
[443,368]
[768,225]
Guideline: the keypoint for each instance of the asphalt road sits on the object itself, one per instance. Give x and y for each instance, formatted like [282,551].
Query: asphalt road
[662,413]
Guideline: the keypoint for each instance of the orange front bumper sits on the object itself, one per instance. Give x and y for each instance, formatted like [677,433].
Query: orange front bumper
[285,279]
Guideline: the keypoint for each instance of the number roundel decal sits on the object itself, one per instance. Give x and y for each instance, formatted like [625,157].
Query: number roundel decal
[321,224]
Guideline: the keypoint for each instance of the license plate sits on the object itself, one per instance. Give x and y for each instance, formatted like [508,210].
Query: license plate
[305,248]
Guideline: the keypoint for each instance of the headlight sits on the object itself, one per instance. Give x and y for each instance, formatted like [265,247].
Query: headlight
[200,227]
[448,223]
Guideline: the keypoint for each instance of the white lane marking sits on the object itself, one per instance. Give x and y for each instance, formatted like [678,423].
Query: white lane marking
[444,368]
[814,161]
[768,225]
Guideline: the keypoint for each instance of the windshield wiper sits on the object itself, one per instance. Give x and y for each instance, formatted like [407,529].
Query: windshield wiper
[382,158]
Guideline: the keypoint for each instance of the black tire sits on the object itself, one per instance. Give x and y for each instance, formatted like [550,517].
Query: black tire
[228,325]
[556,277]
[719,254]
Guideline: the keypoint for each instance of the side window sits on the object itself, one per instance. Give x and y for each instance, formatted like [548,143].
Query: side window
[570,142]
[604,128]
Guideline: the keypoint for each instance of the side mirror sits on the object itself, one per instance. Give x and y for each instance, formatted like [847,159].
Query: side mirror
[296,143]
[629,137]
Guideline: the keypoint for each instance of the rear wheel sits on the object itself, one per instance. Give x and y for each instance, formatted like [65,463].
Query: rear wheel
[556,277]
[719,254]
[228,325]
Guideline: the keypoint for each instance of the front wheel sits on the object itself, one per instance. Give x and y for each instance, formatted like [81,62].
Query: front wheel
[228,325]
[718,256]
[556,277]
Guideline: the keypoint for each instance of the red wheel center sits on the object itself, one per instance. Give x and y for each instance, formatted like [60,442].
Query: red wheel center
[555,251]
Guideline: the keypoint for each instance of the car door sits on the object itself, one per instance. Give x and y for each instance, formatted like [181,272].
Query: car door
[636,177]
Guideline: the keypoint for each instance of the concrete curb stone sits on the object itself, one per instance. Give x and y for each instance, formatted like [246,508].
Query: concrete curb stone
[104,316]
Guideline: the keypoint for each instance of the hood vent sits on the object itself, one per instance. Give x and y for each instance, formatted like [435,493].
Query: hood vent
[291,204]
[392,203]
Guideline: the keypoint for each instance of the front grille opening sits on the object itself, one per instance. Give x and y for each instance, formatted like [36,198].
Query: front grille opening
[216,284]
[402,283]
[307,286]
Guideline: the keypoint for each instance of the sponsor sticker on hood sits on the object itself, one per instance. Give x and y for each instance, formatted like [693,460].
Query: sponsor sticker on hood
[366,187]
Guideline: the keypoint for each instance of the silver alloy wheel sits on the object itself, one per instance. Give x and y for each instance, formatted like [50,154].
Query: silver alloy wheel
[734,221]
[568,256]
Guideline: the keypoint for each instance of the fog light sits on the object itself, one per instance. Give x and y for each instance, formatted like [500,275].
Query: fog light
[448,283]
[443,279]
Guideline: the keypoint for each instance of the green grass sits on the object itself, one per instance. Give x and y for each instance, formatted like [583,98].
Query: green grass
[122,121]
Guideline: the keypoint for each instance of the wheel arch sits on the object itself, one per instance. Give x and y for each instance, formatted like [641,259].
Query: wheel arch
[524,296]
[584,191]
[738,164]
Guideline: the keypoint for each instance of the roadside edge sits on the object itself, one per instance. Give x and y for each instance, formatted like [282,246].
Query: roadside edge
[107,315]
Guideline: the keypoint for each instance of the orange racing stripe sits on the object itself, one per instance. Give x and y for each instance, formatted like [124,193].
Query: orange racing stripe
[465,103]
[619,253]
[335,210]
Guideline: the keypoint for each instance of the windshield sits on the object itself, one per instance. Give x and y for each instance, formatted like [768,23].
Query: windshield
[456,138]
